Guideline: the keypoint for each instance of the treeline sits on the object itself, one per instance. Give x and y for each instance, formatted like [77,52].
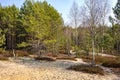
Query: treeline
[35,24]
[38,26]
[91,31]
[107,42]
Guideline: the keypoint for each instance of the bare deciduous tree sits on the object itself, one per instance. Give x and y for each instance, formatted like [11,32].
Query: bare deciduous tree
[96,11]
[104,10]
[75,19]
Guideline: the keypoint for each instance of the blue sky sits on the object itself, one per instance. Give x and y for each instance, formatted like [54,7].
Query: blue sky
[63,6]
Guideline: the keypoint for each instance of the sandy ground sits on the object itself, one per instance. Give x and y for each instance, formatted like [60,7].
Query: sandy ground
[42,70]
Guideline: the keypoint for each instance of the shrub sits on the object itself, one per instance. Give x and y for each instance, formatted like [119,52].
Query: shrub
[87,69]
[45,58]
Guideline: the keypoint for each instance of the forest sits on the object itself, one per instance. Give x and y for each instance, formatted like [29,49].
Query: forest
[37,26]
[37,44]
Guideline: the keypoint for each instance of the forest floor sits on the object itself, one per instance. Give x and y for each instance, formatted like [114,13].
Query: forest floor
[45,70]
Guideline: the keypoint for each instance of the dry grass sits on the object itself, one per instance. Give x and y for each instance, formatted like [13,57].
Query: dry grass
[62,51]
[21,53]
[59,56]
[98,59]
[66,58]
[3,58]
[7,54]
[116,70]
[45,58]
[51,55]
[111,62]
[87,69]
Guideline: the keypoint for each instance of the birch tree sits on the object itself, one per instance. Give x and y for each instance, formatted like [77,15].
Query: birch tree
[95,13]
[74,17]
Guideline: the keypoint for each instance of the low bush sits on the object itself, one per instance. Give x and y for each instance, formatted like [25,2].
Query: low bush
[45,58]
[87,69]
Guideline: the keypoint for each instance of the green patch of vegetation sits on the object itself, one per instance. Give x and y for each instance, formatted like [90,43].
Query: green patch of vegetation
[23,44]
[87,69]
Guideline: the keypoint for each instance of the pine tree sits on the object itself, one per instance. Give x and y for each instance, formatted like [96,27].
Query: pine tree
[8,25]
[41,23]
[116,11]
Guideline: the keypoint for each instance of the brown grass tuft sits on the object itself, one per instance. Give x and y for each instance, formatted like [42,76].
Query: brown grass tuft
[66,58]
[111,64]
[87,69]
[45,58]
[3,58]
[21,53]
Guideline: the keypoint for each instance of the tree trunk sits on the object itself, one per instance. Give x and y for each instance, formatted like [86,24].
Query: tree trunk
[10,41]
[93,52]
[14,55]
[102,50]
